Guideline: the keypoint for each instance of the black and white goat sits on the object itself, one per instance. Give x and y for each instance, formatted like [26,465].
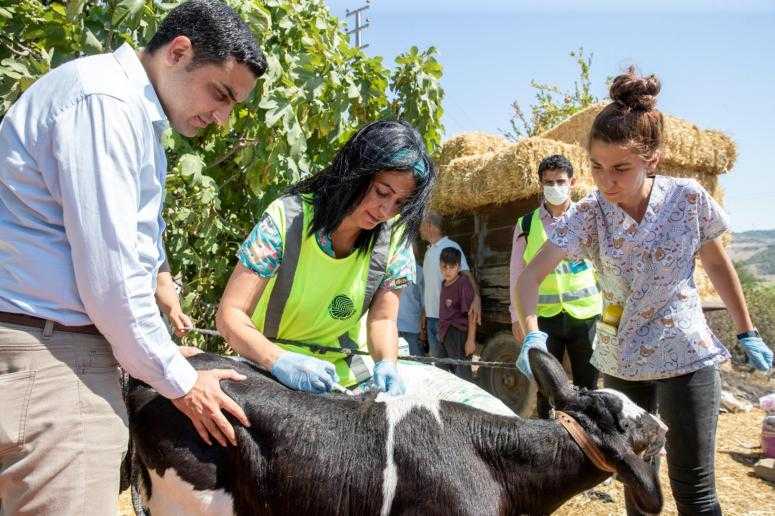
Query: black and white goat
[332,455]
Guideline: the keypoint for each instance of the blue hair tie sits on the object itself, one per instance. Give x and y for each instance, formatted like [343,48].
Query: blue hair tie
[419,166]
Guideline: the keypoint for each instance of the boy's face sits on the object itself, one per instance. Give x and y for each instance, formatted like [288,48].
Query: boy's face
[449,271]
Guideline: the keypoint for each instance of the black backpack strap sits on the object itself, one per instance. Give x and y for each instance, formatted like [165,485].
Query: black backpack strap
[524,223]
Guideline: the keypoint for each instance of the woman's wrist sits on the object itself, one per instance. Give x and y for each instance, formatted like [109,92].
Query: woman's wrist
[752,332]
[265,353]
[382,357]
[271,355]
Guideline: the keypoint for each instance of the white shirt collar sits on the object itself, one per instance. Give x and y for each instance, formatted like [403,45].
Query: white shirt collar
[129,61]
[440,240]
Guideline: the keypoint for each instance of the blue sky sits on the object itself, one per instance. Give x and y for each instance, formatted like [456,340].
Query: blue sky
[716,61]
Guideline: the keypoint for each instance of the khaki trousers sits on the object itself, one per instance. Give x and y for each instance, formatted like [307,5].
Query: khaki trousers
[63,423]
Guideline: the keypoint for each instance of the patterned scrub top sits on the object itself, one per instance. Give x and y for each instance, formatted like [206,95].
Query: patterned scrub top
[647,268]
[262,253]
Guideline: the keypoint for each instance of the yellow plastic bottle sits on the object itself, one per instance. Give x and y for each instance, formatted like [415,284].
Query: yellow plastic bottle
[612,314]
[608,325]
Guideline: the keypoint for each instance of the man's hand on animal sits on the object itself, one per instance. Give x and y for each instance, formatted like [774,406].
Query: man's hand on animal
[204,404]
[759,355]
[387,379]
[533,339]
[305,373]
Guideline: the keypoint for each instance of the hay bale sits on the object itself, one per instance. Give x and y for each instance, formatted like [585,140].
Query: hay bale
[709,182]
[686,146]
[470,182]
[469,144]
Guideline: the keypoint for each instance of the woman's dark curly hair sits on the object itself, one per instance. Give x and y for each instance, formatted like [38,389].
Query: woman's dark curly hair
[339,188]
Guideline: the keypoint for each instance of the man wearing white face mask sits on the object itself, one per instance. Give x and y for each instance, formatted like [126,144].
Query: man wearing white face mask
[569,301]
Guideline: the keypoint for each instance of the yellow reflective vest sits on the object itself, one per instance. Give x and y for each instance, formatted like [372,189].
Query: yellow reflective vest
[571,288]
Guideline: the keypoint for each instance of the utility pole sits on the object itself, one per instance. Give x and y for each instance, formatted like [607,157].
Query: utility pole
[358,27]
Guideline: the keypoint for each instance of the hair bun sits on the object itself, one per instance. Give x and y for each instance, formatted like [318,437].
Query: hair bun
[635,91]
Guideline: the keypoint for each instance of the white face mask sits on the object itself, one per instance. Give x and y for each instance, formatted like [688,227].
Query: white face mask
[556,195]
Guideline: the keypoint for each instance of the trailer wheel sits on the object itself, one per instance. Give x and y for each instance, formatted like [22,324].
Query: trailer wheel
[509,385]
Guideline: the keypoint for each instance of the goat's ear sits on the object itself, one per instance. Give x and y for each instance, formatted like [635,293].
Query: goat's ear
[641,482]
[550,377]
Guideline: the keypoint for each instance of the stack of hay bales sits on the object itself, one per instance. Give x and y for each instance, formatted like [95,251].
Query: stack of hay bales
[688,151]
[470,144]
[497,177]
[478,170]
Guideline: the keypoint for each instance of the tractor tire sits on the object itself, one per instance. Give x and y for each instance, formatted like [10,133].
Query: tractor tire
[508,385]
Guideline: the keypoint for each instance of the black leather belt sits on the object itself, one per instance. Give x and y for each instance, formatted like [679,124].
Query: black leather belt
[37,322]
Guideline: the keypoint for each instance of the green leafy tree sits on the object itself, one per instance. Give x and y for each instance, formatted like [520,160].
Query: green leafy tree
[317,91]
[553,105]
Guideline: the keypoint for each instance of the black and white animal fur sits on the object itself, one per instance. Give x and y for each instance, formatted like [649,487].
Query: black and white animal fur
[334,455]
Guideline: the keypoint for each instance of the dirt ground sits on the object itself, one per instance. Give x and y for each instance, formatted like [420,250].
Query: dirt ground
[740,492]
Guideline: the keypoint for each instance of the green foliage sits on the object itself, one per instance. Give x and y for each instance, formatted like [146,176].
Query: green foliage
[419,93]
[747,278]
[760,297]
[317,91]
[548,111]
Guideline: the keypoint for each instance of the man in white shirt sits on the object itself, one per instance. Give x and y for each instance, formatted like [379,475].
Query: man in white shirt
[431,231]
[82,173]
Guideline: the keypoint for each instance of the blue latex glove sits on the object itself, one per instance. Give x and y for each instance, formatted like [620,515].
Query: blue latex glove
[387,379]
[534,339]
[305,373]
[759,355]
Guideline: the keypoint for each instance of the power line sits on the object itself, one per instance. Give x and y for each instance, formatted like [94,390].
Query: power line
[357,13]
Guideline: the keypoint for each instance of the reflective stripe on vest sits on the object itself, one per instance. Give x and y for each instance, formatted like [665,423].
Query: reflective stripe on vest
[562,290]
[294,229]
[358,366]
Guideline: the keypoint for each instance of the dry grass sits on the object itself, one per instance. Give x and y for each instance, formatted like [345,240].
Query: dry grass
[469,144]
[478,169]
[739,491]
[472,181]
[687,147]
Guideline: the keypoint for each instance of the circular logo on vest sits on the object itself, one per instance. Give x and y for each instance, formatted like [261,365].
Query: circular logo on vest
[341,307]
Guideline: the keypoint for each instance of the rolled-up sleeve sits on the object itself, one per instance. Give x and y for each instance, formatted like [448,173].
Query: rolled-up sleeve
[96,144]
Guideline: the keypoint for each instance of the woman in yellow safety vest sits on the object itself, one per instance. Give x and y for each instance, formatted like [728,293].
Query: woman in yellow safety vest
[334,248]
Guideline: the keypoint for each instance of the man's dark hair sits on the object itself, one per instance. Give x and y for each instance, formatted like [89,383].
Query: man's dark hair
[340,187]
[450,256]
[555,162]
[216,33]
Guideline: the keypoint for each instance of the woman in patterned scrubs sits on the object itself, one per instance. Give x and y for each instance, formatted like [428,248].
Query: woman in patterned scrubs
[643,232]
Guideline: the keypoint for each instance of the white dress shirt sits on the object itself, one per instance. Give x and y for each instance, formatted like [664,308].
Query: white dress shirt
[82,173]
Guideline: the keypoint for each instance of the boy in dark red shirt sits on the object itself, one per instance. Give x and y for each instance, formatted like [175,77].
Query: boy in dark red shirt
[457,330]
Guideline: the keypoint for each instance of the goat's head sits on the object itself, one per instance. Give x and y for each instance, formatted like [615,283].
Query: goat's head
[624,432]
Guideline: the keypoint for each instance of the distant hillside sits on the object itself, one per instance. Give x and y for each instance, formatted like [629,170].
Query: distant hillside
[756,251]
